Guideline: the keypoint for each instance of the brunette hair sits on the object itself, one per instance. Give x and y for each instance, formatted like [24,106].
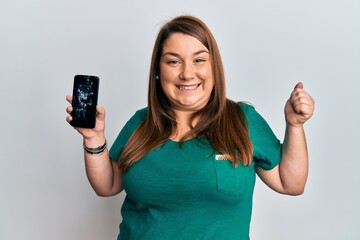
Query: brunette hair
[221,120]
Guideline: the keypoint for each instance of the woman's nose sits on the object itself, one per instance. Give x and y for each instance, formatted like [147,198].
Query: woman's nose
[187,72]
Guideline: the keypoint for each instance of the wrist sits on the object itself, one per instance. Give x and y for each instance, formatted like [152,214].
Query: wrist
[294,128]
[293,122]
[294,125]
[94,142]
[95,151]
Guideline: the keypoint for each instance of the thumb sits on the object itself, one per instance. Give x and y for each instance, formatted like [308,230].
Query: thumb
[299,85]
[100,112]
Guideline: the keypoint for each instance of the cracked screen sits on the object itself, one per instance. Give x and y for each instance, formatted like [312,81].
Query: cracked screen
[84,101]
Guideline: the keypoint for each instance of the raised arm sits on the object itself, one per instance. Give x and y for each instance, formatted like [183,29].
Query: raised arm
[290,176]
[103,174]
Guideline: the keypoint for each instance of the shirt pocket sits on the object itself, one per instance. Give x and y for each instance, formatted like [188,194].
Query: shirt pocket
[232,180]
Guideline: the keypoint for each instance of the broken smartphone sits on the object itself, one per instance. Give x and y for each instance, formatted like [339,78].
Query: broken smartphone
[84,101]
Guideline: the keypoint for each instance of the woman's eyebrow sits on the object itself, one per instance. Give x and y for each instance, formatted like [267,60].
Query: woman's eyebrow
[201,51]
[171,53]
[178,55]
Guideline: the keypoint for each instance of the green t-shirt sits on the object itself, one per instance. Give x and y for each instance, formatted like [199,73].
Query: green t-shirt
[189,192]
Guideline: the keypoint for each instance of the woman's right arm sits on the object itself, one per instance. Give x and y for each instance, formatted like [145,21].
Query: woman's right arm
[103,174]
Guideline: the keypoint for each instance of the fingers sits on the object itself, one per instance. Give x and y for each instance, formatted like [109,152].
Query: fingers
[100,110]
[100,113]
[69,110]
[69,98]
[303,108]
[299,85]
[68,119]
[299,107]
[301,101]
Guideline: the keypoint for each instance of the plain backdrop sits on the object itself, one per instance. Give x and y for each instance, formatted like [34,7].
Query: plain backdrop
[267,47]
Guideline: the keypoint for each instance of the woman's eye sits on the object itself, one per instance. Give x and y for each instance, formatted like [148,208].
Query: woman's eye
[199,60]
[173,62]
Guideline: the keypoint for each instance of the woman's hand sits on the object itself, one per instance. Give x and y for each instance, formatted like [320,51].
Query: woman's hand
[93,133]
[300,106]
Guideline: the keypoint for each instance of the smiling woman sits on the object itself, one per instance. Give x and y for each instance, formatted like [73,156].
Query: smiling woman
[185,74]
[188,160]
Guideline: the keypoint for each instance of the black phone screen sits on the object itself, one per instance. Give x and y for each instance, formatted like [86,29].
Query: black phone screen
[84,101]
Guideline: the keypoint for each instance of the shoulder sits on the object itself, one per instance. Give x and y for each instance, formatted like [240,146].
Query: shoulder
[245,106]
[256,123]
[125,133]
[139,116]
[248,110]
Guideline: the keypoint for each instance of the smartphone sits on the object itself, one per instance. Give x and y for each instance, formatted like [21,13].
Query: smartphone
[84,101]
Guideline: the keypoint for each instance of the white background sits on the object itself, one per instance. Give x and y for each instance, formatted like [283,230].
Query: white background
[267,47]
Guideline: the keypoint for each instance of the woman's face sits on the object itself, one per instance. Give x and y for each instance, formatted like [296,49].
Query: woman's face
[185,72]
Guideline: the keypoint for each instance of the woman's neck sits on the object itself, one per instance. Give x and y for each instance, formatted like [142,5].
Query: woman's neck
[183,125]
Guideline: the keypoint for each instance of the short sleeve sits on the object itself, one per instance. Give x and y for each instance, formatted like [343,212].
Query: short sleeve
[267,147]
[126,133]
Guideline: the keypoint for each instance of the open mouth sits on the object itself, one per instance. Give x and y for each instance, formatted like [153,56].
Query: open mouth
[188,87]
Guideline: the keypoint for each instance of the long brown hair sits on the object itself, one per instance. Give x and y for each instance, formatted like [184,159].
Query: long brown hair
[221,120]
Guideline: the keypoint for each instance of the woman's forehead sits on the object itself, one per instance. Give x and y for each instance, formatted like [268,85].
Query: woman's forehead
[183,43]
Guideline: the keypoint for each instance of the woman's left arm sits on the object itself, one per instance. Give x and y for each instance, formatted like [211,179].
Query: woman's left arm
[289,177]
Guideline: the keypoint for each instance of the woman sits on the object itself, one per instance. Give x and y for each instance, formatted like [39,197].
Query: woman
[188,161]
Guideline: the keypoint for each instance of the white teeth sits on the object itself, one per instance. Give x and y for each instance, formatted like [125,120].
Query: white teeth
[191,87]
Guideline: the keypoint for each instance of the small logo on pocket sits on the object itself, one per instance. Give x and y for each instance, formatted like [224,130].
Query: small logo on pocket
[222,157]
